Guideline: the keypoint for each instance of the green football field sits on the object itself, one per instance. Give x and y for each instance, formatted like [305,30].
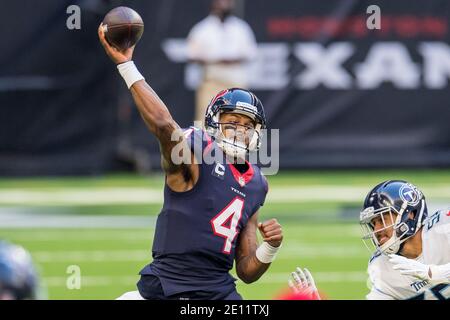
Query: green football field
[103,228]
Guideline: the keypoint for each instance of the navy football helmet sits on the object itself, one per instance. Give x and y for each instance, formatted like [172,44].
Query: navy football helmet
[407,208]
[240,101]
[18,277]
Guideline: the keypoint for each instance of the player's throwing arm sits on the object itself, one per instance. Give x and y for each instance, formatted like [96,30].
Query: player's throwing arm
[154,112]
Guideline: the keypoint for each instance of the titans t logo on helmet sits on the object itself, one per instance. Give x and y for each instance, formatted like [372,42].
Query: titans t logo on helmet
[410,194]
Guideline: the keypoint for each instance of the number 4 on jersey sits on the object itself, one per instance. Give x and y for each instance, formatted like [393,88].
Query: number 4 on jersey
[226,222]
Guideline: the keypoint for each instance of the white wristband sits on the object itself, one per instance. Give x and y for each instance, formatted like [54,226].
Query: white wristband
[266,253]
[129,73]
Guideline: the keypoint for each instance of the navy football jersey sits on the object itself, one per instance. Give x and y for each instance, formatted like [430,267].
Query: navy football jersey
[197,230]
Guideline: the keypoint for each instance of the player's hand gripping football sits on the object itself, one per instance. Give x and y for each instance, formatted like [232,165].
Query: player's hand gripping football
[302,282]
[116,55]
[271,232]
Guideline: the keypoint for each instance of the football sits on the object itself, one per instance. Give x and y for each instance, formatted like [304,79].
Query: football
[123,27]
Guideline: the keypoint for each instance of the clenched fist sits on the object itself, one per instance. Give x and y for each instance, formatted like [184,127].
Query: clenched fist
[271,232]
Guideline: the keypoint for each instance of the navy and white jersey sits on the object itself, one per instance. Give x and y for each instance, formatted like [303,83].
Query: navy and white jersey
[390,284]
[197,230]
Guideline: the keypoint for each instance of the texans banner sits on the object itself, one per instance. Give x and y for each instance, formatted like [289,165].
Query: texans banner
[342,95]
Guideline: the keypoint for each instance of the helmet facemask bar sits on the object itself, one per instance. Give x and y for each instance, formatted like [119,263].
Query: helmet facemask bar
[399,229]
[236,145]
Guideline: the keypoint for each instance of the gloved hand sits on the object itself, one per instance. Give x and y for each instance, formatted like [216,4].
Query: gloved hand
[431,273]
[302,282]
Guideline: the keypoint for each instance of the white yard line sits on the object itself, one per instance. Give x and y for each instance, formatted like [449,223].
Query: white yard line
[75,257]
[287,252]
[351,276]
[83,235]
[269,278]
[290,251]
[105,196]
[85,196]
[92,281]
[11,219]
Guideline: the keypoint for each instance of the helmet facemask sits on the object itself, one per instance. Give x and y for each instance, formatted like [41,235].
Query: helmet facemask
[399,229]
[241,139]
[393,197]
[235,101]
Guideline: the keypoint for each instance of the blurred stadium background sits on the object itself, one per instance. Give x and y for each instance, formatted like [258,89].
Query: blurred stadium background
[80,178]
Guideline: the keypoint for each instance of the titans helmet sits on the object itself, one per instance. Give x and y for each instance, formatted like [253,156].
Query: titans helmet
[240,101]
[18,277]
[407,208]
